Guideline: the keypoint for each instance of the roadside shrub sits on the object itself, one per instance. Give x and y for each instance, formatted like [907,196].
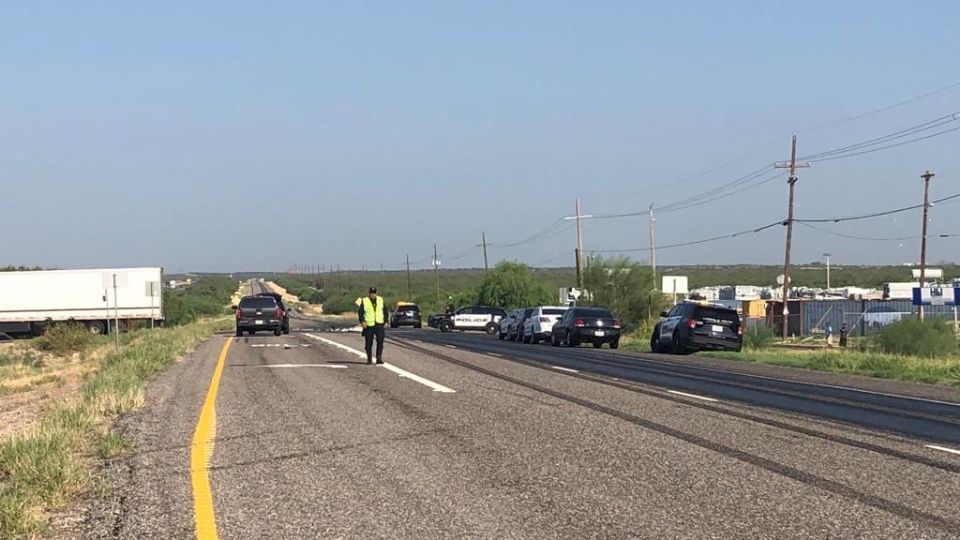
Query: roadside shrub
[758,337]
[341,303]
[65,338]
[928,338]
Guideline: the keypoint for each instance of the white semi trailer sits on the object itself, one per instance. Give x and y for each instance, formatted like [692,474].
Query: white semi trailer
[98,298]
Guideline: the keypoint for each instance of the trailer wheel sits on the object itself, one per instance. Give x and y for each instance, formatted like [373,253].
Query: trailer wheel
[96,327]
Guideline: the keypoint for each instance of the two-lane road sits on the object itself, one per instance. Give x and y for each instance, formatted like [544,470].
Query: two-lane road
[461,436]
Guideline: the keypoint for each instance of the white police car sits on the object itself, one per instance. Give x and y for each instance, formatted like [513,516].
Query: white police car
[474,318]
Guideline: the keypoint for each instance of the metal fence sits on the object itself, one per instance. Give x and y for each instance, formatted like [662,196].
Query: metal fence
[862,317]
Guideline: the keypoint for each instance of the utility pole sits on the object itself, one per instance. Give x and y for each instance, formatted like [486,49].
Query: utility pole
[792,180]
[653,247]
[483,242]
[927,176]
[436,270]
[579,251]
[409,289]
[579,217]
[827,255]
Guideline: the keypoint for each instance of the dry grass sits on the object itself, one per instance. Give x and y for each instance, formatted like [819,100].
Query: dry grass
[46,464]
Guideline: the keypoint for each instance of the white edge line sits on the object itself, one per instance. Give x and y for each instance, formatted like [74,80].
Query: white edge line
[694,396]
[451,346]
[568,370]
[401,372]
[498,355]
[943,449]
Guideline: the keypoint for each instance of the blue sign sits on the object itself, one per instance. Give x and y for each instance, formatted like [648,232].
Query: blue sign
[935,295]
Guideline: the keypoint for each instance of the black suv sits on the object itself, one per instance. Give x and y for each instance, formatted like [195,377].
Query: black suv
[695,326]
[283,309]
[586,325]
[406,315]
[260,312]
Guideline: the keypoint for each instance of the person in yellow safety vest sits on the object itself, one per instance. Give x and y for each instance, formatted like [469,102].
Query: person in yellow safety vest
[373,318]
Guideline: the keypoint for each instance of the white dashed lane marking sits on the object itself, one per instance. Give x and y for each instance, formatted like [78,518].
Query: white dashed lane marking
[401,372]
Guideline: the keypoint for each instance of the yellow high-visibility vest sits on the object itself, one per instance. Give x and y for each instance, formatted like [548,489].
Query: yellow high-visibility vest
[372,314]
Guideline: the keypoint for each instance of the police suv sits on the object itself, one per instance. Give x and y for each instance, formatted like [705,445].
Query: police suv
[476,318]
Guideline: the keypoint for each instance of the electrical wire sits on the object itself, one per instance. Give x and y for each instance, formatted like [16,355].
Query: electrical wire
[875,214]
[556,228]
[694,242]
[705,197]
[855,237]
[725,195]
[899,134]
[903,143]
[882,109]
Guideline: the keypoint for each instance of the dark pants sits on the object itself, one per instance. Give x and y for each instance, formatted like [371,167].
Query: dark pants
[368,335]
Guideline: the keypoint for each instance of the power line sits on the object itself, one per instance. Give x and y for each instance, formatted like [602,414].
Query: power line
[904,143]
[855,237]
[899,134]
[700,196]
[724,195]
[876,214]
[695,242]
[551,231]
[883,109]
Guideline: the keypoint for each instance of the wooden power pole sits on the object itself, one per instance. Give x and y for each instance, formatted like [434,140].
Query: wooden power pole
[927,176]
[792,181]
[483,242]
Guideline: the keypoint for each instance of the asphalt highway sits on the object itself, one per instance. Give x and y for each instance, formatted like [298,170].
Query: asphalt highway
[463,436]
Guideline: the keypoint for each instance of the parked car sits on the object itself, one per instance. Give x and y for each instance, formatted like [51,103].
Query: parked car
[482,318]
[259,312]
[283,309]
[515,331]
[694,326]
[586,325]
[539,325]
[406,314]
[505,322]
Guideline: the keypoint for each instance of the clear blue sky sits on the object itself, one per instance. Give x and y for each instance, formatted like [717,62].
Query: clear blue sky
[240,135]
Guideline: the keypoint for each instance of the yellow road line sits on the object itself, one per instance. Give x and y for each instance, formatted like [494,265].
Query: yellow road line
[201,449]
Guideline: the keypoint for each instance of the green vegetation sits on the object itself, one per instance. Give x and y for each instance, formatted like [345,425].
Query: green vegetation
[19,268]
[110,445]
[626,288]
[44,469]
[337,291]
[208,297]
[65,338]
[511,285]
[758,337]
[928,338]
[20,358]
[945,370]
